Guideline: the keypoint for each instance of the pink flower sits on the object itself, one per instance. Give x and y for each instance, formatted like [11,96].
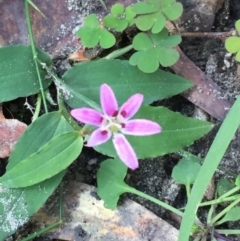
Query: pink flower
[115,122]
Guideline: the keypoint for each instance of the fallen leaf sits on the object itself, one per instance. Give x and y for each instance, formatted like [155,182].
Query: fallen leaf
[10,131]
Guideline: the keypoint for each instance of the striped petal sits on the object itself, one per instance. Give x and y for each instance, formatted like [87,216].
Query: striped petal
[108,100]
[98,137]
[87,116]
[125,151]
[141,127]
[131,106]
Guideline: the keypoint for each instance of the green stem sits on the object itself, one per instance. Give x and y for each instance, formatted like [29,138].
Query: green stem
[28,20]
[228,231]
[187,190]
[61,85]
[210,214]
[119,52]
[37,108]
[216,152]
[219,200]
[65,112]
[52,226]
[223,212]
[37,234]
[158,202]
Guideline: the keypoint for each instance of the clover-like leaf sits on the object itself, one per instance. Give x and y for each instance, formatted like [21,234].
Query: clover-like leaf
[154,13]
[185,172]
[223,186]
[120,18]
[154,49]
[92,34]
[232,45]
[232,215]
[237,25]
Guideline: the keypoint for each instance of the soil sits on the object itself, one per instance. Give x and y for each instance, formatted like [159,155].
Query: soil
[154,174]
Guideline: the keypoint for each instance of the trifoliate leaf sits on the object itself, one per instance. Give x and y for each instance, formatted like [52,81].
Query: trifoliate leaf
[120,18]
[153,14]
[155,49]
[92,33]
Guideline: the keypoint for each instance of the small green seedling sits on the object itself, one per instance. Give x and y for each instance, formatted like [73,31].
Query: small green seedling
[154,49]
[120,18]
[93,33]
[232,43]
[154,13]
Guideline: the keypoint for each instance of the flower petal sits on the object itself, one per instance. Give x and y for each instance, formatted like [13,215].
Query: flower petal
[131,106]
[141,127]
[108,100]
[125,151]
[87,116]
[98,137]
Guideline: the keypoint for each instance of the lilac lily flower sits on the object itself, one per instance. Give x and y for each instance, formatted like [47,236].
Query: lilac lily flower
[115,122]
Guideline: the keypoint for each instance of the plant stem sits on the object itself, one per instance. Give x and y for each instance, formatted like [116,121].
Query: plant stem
[223,212]
[158,202]
[216,152]
[219,200]
[119,52]
[28,20]
[228,231]
[61,85]
[37,108]
[218,35]
[65,112]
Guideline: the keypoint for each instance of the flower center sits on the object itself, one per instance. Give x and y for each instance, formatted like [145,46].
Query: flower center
[112,124]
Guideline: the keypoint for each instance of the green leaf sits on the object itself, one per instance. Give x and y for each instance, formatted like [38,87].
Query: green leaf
[174,11]
[91,21]
[107,39]
[92,33]
[52,158]
[120,18]
[18,72]
[238,56]
[237,25]
[40,132]
[223,186]
[177,132]
[186,171]
[125,80]
[154,14]
[156,49]
[142,42]
[237,182]
[143,8]
[167,57]
[232,215]
[232,44]
[110,181]
[17,205]
[117,9]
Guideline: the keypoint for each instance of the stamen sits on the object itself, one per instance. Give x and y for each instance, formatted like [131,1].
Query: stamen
[115,113]
[123,125]
[123,113]
[104,132]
